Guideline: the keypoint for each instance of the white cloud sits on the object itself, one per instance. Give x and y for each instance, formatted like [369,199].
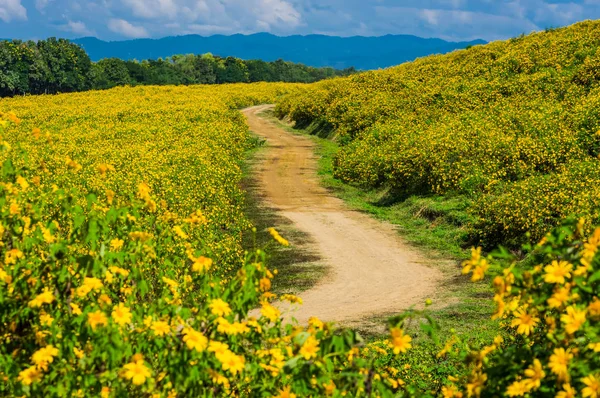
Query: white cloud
[152,9]
[41,4]
[430,16]
[12,10]
[277,13]
[126,29]
[447,19]
[77,27]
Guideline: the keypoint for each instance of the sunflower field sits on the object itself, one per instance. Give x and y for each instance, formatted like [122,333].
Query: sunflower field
[123,272]
[514,126]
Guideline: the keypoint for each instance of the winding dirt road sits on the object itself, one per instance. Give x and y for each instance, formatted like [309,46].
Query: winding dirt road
[370,270]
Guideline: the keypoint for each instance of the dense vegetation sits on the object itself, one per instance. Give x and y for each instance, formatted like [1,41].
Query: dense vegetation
[122,271]
[510,126]
[120,234]
[59,66]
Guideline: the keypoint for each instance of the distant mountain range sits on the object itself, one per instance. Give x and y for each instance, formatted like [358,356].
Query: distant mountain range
[313,50]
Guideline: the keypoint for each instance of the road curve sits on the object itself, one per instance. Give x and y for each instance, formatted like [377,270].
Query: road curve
[371,271]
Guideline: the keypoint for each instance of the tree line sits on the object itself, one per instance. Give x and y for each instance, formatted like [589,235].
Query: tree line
[58,66]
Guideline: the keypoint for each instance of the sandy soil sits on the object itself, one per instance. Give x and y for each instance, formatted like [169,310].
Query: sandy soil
[371,270]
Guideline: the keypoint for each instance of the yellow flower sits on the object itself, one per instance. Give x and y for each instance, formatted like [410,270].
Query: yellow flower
[194,340]
[137,372]
[285,393]
[46,319]
[104,167]
[73,164]
[310,348]
[218,378]
[557,272]
[451,392]
[160,328]
[30,375]
[78,353]
[219,307]
[525,322]
[170,282]
[573,319]
[278,237]
[559,298]
[270,312]
[231,362]
[180,232]
[480,270]
[594,308]
[201,264]
[592,387]
[500,307]
[475,257]
[116,244]
[517,389]
[46,297]
[535,373]
[105,393]
[121,314]
[399,341]
[218,348]
[291,298]
[330,388]
[315,322]
[594,347]
[44,356]
[89,284]
[264,284]
[97,319]
[110,196]
[567,392]
[14,208]
[75,309]
[559,362]
[119,271]
[12,256]
[475,384]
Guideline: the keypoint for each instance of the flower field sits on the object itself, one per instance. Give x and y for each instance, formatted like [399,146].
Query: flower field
[123,272]
[121,220]
[186,144]
[513,126]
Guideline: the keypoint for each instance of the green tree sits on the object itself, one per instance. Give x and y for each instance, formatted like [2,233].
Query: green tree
[234,71]
[113,73]
[260,71]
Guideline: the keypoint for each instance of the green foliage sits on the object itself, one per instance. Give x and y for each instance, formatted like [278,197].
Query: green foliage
[112,293]
[58,66]
[483,123]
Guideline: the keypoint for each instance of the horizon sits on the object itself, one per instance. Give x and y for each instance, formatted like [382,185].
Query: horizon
[449,20]
[264,33]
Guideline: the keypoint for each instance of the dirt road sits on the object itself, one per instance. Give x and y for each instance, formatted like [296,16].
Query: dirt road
[371,271]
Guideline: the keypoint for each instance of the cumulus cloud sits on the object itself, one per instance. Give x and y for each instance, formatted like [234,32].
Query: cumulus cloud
[126,29]
[230,15]
[152,9]
[12,10]
[77,27]
[448,19]
[41,4]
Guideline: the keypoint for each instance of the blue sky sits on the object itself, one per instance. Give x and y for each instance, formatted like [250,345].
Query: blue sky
[447,19]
